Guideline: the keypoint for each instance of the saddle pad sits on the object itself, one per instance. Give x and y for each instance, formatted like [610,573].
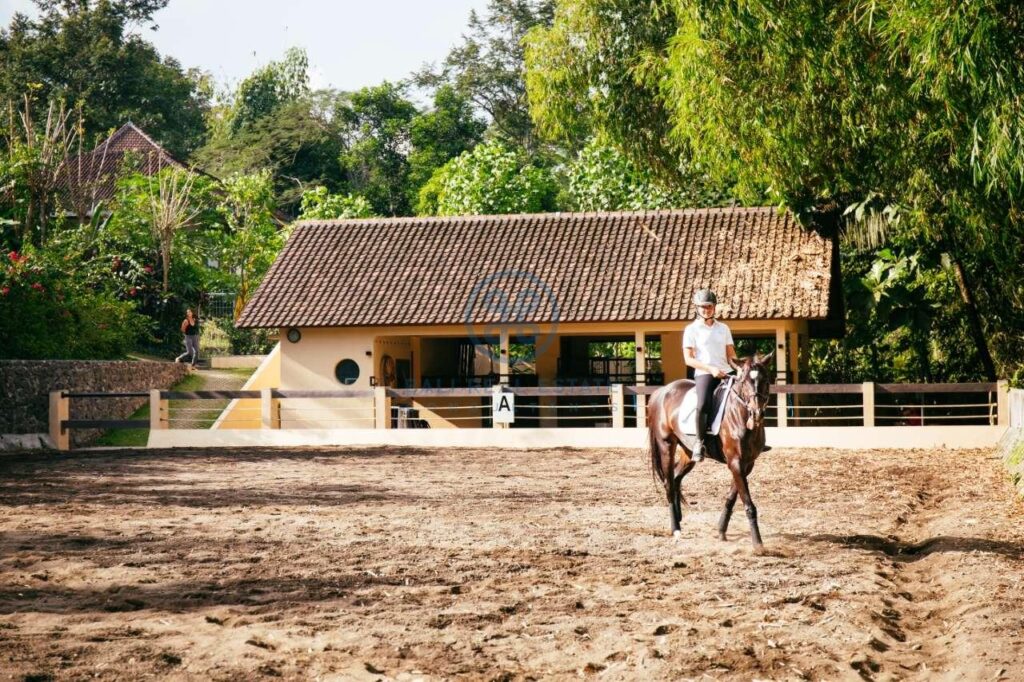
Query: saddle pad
[688,410]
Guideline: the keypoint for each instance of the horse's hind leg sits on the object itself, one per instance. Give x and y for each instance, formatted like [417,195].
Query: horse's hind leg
[730,502]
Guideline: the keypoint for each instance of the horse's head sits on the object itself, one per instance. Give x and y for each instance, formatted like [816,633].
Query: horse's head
[753,381]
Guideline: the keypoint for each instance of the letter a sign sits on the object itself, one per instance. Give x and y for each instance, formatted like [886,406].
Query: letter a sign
[503,408]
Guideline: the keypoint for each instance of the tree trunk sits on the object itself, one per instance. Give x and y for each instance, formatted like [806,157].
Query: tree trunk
[165,256]
[973,318]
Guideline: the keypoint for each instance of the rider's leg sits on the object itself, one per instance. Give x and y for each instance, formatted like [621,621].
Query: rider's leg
[705,384]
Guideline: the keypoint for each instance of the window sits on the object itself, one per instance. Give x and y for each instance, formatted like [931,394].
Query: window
[294,335]
[347,372]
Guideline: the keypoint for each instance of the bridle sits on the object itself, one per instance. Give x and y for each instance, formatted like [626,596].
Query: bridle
[752,402]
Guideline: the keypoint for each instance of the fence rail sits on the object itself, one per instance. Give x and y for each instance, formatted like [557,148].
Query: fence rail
[615,406]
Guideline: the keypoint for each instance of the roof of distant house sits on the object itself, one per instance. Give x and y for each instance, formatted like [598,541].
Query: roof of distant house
[566,267]
[89,178]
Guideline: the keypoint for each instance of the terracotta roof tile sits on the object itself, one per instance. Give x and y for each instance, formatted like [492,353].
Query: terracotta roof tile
[628,266]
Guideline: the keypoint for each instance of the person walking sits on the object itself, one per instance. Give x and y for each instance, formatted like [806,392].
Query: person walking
[190,328]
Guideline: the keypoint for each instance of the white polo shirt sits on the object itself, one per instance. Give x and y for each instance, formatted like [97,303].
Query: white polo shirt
[709,343]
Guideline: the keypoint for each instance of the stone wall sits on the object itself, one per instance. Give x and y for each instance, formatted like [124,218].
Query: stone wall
[25,387]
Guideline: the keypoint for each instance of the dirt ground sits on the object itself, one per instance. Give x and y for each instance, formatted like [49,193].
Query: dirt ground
[408,564]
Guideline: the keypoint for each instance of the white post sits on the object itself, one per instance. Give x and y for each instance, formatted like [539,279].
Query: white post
[1003,403]
[158,419]
[618,405]
[503,363]
[641,378]
[868,389]
[381,407]
[781,364]
[60,410]
[496,390]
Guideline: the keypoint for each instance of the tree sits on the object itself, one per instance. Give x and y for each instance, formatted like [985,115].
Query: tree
[488,67]
[375,127]
[83,52]
[319,204]
[492,179]
[30,167]
[253,239]
[269,88]
[439,135]
[911,105]
[602,178]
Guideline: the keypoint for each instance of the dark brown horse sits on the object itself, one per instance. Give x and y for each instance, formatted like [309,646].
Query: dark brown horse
[741,438]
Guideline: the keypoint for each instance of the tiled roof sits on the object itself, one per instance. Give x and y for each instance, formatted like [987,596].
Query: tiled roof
[89,178]
[569,267]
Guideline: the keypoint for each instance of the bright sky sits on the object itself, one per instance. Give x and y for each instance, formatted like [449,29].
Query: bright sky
[351,43]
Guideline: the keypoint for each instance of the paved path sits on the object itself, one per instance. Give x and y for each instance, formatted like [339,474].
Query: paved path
[196,414]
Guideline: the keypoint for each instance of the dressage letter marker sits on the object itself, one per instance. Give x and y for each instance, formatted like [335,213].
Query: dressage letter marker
[503,408]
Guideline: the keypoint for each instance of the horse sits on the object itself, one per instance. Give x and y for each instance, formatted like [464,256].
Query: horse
[741,437]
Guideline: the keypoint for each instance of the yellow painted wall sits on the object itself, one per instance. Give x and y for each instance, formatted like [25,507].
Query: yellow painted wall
[245,414]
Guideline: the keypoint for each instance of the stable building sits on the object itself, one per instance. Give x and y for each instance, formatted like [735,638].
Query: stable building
[561,299]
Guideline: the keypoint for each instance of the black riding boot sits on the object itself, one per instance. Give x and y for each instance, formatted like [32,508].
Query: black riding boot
[702,431]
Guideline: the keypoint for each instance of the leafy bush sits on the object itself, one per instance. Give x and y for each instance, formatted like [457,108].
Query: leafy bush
[47,313]
[252,341]
[318,203]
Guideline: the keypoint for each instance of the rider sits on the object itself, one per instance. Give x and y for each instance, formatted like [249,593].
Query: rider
[707,348]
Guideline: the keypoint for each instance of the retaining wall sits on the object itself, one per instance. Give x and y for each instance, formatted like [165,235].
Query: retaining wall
[25,386]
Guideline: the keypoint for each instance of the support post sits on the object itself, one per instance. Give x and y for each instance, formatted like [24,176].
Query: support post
[381,408]
[60,410]
[158,411]
[503,363]
[868,390]
[496,390]
[781,364]
[1003,402]
[640,338]
[618,405]
[270,410]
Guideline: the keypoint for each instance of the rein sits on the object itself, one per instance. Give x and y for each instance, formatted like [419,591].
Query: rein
[746,402]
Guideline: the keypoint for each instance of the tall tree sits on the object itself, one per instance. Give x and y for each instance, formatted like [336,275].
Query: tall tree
[86,52]
[912,107]
[488,66]
[375,127]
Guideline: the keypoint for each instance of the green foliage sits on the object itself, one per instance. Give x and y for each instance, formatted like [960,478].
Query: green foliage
[319,204]
[439,135]
[253,239]
[487,68]
[252,341]
[601,178]
[46,312]
[268,88]
[492,179]
[375,126]
[85,53]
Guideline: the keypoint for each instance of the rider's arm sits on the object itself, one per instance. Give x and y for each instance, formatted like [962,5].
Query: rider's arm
[730,352]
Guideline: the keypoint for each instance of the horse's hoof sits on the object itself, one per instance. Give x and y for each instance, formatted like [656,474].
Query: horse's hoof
[759,550]
[677,536]
[721,536]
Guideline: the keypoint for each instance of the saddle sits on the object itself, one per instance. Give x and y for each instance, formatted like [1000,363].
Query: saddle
[688,421]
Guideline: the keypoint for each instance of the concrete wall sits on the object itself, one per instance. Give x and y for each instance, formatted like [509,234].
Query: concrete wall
[1012,444]
[25,386]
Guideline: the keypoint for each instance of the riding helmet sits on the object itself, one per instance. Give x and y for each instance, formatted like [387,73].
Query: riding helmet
[705,297]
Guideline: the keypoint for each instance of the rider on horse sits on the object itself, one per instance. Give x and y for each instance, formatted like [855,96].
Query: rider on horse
[707,348]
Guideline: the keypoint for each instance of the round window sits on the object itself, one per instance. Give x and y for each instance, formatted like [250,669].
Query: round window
[347,372]
[294,335]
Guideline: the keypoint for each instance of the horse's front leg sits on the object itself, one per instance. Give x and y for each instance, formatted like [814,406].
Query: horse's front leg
[739,479]
[674,511]
[730,502]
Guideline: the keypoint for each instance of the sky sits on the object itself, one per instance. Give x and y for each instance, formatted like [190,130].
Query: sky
[351,43]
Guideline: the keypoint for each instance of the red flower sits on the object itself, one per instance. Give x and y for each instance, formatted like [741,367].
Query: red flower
[133,291]
[37,286]
[5,291]
[13,256]
[149,269]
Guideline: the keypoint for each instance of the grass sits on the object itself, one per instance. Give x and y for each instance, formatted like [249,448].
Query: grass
[199,417]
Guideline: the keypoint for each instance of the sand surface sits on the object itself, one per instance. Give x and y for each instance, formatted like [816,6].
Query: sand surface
[406,564]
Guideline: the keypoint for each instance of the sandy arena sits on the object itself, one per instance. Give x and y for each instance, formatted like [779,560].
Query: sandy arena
[374,565]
